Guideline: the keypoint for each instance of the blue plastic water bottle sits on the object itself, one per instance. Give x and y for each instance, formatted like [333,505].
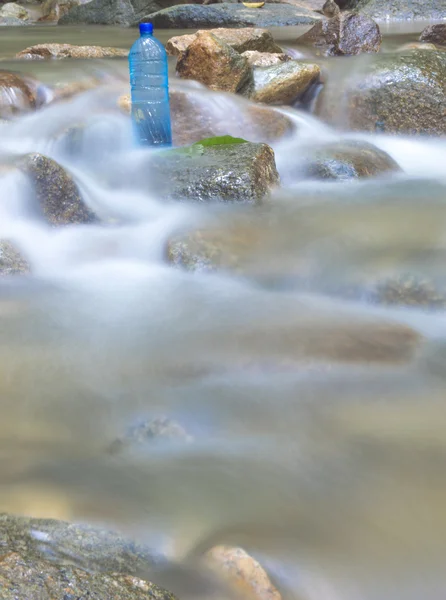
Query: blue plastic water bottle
[150,89]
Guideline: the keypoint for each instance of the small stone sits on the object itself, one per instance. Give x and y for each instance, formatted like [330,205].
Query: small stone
[42,51]
[347,34]
[162,429]
[283,83]
[264,59]
[331,9]
[240,40]
[435,34]
[242,572]
[215,64]
[409,290]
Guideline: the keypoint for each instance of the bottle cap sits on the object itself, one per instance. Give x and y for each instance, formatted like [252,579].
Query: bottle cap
[145,28]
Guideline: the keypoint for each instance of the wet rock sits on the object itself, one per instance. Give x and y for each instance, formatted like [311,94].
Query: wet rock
[42,51]
[11,10]
[383,10]
[194,16]
[162,429]
[344,35]
[435,34]
[240,40]
[21,93]
[330,9]
[114,12]
[409,290]
[243,172]
[242,572]
[80,561]
[11,261]
[416,46]
[215,64]
[53,10]
[401,93]
[57,194]
[264,59]
[11,22]
[283,83]
[348,160]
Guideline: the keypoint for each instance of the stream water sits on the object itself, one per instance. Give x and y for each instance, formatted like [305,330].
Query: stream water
[314,448]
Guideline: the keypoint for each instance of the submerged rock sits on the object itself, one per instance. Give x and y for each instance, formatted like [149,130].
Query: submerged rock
[231,15]
[264,59]
[283,83]
[42,51]
[240,172]
[240,40]
[347,34]
[11,261]
[396,93]
[215,64]
[101,565]
[383,10]
[21,93]
[435,34]
[348,159]
[11,10]
[409,290]
[162,429]
[57,194]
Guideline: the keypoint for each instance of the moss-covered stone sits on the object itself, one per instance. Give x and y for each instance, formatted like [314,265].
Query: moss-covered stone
[394,93]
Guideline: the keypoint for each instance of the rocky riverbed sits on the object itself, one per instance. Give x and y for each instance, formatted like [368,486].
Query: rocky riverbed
[222,363]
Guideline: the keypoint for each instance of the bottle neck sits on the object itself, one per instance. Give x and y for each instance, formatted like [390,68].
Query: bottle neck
[146,34]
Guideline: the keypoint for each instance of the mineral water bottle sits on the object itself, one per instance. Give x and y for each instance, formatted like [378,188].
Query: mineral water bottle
[150,89]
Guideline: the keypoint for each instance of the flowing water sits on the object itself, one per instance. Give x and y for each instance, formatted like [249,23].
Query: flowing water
[318,416]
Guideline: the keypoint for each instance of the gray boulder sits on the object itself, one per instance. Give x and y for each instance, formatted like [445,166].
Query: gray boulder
[239,172]
[382,10]
[396,93]
[114,12]
[194,16]
[435,34]
[103,564]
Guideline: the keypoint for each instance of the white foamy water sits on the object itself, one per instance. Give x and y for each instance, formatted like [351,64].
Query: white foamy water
[318,416]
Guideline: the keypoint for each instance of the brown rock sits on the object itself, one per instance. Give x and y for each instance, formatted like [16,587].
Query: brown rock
[215,64]
[242,572]
[57,194]
[331,9]
[264,59]
[344,35]
[21,93]
[241,40]
[42,51]
[283,83]
[435,34]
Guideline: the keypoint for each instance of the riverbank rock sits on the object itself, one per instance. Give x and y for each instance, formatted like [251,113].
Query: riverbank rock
[194,16]
[27,572]
[348,159]
[43,51]
[215,64]
[347,34]
[246,576]
[57,194]
[435,34]
[114,12]
[21,93]
[230,172]
[383,10]
[396,93]
[264,59]
[11,10]
[240,40]
[11,261]
[283,83]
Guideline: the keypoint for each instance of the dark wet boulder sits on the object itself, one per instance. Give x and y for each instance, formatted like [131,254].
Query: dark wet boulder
[240,40]
[348,159]
[229,172]
[346,34]
[394,93]
[283,83]
[193,16]
[435,34]
[215,64]
[21,93]
[58,197]
[34,565]
[383,10]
